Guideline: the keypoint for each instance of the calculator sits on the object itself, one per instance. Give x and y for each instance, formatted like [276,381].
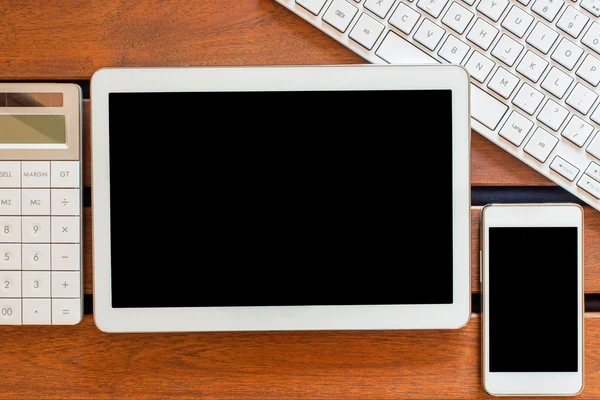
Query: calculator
[41,231]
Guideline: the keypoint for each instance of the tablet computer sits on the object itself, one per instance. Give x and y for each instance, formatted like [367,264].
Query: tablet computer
[253,198]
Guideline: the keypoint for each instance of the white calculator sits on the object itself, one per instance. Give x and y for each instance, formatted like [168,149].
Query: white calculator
[40,204]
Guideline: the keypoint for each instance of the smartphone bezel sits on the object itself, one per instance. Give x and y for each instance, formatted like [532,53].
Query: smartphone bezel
[531,383]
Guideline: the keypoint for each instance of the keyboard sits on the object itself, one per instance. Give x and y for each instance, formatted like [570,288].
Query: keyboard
[534,68]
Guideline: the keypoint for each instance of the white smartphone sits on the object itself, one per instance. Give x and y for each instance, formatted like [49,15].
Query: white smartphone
[533,304]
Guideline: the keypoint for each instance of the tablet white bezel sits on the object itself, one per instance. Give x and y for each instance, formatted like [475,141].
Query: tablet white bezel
[532,383]
[279,78]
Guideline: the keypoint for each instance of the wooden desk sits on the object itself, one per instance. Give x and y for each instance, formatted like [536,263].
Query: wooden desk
[69,40]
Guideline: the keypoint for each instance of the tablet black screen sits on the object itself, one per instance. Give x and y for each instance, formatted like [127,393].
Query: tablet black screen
[281,198]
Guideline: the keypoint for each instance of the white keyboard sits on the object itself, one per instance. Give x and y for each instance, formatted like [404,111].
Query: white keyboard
[534,66]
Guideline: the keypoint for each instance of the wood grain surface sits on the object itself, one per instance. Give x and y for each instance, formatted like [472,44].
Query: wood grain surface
[81,362]
[67,40]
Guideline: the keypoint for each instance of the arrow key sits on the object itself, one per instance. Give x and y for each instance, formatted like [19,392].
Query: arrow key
[564,168]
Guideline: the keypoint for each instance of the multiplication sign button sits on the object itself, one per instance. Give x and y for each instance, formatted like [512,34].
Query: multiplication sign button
[65,229]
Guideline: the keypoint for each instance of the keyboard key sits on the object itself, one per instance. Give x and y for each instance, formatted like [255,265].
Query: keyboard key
[482,34]
[572,21]
[589,185]
[567,53]
[493,9]
[581,98]
[314,6]
[517,21]
[596,115]
[590,70]
[457,17]
[339,14]
[35,174]
[557,82]
[432,7]
[479,66]
[507,50]
[35,229]
[485,108]
[66,257]
[454,50]
[593,170]
[516,128]
[594,147]
[65,229]
[404,18]
[64,174]
[66,284]
[394,49]
[503,82]
[379,7]
[36,256]
[592,37]
[542,37]
[548,9]
[553,115]
[541,144]
[565,168]
[366,31]
[593,6]
[429,34]
[532,66]
[528,99]
[577,130]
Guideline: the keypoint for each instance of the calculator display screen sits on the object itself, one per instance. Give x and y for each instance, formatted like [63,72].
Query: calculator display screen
[33,129]
[281,198]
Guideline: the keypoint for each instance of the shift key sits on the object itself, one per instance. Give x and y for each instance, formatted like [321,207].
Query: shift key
[485,108]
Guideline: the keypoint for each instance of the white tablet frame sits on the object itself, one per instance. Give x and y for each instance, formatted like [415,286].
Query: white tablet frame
[533,383]
[280,78]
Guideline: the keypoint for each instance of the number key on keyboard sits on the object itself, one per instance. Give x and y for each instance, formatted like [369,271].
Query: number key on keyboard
[572,21]
[592,37]
[547,8]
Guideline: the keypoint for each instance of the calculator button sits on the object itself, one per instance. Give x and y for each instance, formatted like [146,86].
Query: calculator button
[10,174]
[36,257]
[66,284]
[35,202]
[36,311]
[10,229]
[10,201]
[66,257]
[65,201]
[36,229]
[64,174]
[65,229]
[10,311]
[10,256]
[10,284]
[66,311]
[36,283]
[35,174]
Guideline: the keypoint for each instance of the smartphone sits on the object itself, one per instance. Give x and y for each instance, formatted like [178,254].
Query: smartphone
[533,304]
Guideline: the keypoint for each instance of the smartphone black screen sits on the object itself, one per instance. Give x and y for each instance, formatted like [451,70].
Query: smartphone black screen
[533,299]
